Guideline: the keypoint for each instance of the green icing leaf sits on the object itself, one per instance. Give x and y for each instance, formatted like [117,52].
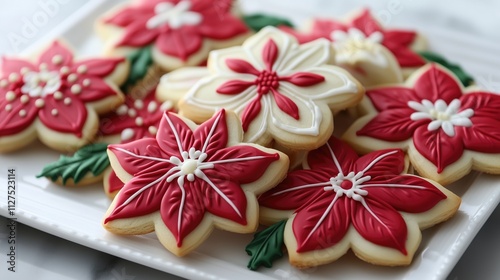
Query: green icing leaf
[91,158]
[266,246]
[258,21]
[465,78]
[140,61]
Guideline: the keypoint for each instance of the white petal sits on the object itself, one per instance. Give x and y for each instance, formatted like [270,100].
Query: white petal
[434,125]
[339,36]
[448,128]
[453,107]
[428,104]
[420,116]
[417,106]
[440,105]
[316,53]
[461,121]
[467,113]
[356,34]
[163,7]
[191,18]
[376,37]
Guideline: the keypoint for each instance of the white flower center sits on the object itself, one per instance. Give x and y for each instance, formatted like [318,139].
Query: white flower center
[349,185]
[39,84]
[190,165]
[175,16]
[445,116]
[354,45]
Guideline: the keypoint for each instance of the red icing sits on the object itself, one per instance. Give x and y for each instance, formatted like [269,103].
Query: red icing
[158,185]
[67,113]
[393,122]
[397,41]
[267,81]
[217,23]
[323,214]
[114,183]
[126,117]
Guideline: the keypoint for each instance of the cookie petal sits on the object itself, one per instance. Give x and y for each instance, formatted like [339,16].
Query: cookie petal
[56,56]
[212,135]
[98,67]
[392,125]
[366,23]
[14,65]
[97,89]
[15,116]
[136,35]
[139,156]
[436,84]
[180,43]
[334,157]
[67,115]
[381,163]
[388,98]
[483,136]
[176,136]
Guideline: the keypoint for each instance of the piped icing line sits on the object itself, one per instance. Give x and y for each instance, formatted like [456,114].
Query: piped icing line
[320,221]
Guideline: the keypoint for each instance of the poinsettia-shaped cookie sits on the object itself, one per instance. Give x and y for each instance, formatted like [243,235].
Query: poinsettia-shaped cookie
[340,201]
[179,32]
[281,90]
[403,44]
[189,179]
[56,98]
[446,130]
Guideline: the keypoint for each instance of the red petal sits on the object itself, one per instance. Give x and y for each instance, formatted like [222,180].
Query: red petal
[241,66]
[439,148]
[222,27]
[325,27]
[397,38]
[381,163]
[182,209]
[115,184]
[298,190]
[286,104]
[387,98]
[241,164]
[181,43]
[218,7]
[380,224]
[70,118]
[14,65]
[136,157]
[484,104]
[97,90]
[112,124]
[270,54]
[129,15]
[317,227]
[304,79]
[225,199]
[329,157]
[56,49]
[301,37]
[366,23]
[436,84]
[140,196]
[99,67]
[212,135]
[405,193]
[250,113]
[234,87]
[10,120]
[392,125]
[137,35]
[483,136]
[174,136]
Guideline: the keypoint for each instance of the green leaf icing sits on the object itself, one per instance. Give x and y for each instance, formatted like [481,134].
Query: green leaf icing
[258,21]
[140,61]
[465,78]
[266,246]
[91,158]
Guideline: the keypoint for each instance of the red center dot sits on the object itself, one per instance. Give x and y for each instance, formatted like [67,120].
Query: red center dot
[346,184]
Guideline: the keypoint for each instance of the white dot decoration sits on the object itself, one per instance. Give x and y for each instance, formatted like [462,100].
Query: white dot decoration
[152,106]
[132,113]
[67,101]
[82,69]
[24,70]
[8,107]
[152,130]
[4,83]
[10,96]
[13,77]
[43,66]
[72,77]
[167,105]
[57,59]
[122,110]
[76,89]
[22,113]
[139,104]
[86,82]
[64,70]
[24,99]
[139,121]
[54,112]
[58,95]
[127,134]
[39,103]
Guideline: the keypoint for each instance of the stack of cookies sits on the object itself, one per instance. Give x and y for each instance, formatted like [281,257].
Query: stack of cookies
[339,136]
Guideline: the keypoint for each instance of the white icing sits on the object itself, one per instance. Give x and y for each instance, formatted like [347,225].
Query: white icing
[54,112]
[152,106]
[139,104]
[122,110]
[139,121]
[132,112]
[175,16]
[152,130]
[67,101]
[442,115]
[24,99]
[24,70]
[10,96]
[39,84]
[354,45]
[39,103]
[57,59]
[86,82]
[64,70]
[4,83]
[58,95]
[43,66]
[72,77]
[13,77]
[82,69]
[127,134]
[76,89]
[8,107]
[22,113]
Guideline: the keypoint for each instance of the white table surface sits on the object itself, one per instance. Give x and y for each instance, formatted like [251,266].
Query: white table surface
[45,257]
